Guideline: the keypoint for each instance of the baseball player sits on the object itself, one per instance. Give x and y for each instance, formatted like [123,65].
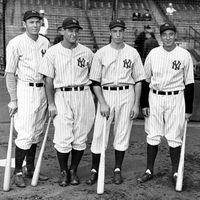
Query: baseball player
[66,66]
[167,98]
[27,93]
[116,74]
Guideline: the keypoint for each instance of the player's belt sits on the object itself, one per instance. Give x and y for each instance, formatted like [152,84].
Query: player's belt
[36,84]
[78,88]
[165,93]
[116,87]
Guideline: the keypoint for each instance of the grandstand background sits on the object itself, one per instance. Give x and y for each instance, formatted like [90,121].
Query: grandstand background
[95,15]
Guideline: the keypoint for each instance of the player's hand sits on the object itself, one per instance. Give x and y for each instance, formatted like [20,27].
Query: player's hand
[188,116]
[146,112]
[12,108]
[134,112]
[105,110]
[52,110]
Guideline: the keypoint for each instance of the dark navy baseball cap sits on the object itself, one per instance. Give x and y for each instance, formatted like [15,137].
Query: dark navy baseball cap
[117,23]
[167,26]
[71,23]
[31,13]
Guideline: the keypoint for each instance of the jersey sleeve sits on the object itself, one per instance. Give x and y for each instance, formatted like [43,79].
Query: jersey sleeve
[96,68]
[188,70]
[138,69]
[47,65]
[147,66]
[12,57]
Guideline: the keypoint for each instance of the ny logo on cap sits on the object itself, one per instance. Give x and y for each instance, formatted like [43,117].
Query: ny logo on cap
[74,21]
[118,20]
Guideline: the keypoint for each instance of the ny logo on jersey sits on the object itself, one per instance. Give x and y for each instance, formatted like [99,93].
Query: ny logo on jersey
[176,65]
[81,62]
[43,51]
[127,63]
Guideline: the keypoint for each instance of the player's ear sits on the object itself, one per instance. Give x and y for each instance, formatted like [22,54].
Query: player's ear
[24,24]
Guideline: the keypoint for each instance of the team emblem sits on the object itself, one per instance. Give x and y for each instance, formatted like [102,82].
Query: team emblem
[176,65]
[81,62]
[43,51]
[127,63]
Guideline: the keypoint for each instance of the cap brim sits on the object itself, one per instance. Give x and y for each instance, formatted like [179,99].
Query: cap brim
[32,17]
[72,26]
[172,29]
[117,26]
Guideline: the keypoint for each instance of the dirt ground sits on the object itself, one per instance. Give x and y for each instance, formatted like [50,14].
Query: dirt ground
[160,188]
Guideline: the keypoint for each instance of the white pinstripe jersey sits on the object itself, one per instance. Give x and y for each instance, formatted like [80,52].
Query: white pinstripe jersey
[68,67]
[117,67]
[24,55]
[169,71]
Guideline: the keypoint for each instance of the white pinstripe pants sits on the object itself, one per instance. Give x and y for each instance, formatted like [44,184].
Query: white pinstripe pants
[76,113]
[31,114]
[121,103]
[167,115]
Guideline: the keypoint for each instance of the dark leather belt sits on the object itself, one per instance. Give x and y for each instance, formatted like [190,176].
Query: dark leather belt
[165,93]
[116,88]
[36,84]
[80,88]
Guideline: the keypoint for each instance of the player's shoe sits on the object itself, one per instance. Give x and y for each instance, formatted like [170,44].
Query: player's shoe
[145,177]
[29,174]
[64,179]
[19,180]
[93,177]
[74,180]
[117,179]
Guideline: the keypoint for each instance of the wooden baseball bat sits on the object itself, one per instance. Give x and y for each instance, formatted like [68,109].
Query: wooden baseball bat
[7,173]
[179,181]
[101,172]
[36,173]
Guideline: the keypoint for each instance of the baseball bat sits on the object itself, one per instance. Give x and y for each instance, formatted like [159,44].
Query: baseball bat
[101,172]
[7,174]
[36,173]
[179,181]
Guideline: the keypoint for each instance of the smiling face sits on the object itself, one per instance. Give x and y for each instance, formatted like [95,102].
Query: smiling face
[117,35]
[32,26]
[168,38]
[71,35]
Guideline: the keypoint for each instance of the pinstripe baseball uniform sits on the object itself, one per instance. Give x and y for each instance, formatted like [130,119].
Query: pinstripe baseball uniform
[24,58]
[114,68]
[69,68]
[168,72]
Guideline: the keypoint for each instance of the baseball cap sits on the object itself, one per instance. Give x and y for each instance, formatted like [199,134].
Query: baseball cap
[71,23]
[31,13]
[167,26]
[117,23]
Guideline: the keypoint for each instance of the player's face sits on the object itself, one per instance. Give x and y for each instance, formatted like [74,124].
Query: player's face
[71,35]
[168,38]
[117,35]
[32,25]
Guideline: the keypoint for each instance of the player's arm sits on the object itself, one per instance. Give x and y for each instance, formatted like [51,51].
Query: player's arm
[135,110]
[104,107]
[50,96]
[189,97]
[11,84]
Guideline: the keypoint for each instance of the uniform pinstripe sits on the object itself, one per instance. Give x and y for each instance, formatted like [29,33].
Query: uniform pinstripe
[75,117]
[170,71]
[116,68]
[24,58]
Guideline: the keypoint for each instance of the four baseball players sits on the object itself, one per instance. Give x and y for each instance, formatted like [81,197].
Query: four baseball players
[66,67]
[25,85]
[167,98]
[117,76]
